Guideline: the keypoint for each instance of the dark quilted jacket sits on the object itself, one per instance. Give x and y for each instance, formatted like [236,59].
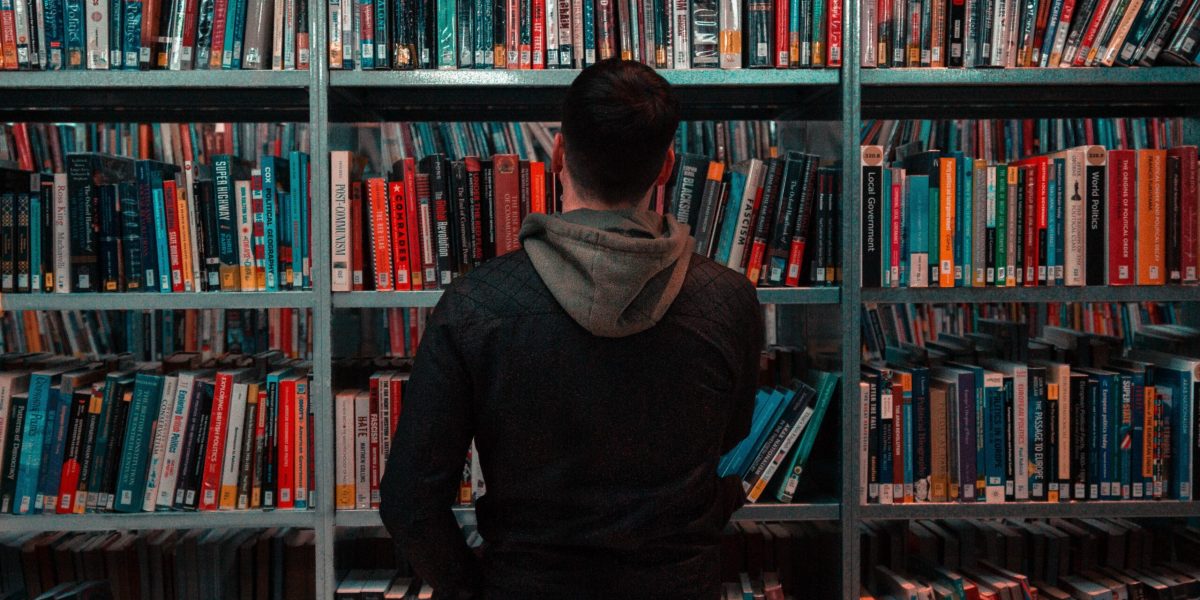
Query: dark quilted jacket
[599,453]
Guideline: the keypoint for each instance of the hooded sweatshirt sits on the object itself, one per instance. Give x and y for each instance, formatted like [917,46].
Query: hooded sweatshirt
[601,371]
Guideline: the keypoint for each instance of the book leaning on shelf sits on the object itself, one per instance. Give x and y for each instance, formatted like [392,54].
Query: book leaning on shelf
[998,414]
[216,563]
[1054,559]
[184,434]
[1032,33]
[1085,215]
[572,34]
[154,34]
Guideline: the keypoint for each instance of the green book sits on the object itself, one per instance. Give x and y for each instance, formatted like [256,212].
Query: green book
[825,384]
[447,42]
[139,437]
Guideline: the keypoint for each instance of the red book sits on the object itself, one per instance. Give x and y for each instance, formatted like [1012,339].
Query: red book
[475,189]
[1089,35]
[1122,198]
[381,236]
[24,154]
[399,219]
[411,217]
[1041,170]
[782,37]
[894,259]
[397,403]
[800,233]
[833,56]
[8,40]
[513,29]
[285,433]
[189,32]
[356,236]
[538,47]
[69,481]
[171,205]
[373,429]
[1189,211]
[507,203]
[220,12]
[537,187]
[214,454]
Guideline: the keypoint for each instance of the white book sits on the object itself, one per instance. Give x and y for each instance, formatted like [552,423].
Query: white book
[21,18]
[235,431]
[96,33]
[730,27]
[478,486]
[339,220]
[61,231]
[362,451]
[385,415]
[869,36]
[1074,215]
[245,235]
[344,440]
[680,34]
[169,476]
[277,36]
[577,49]
[334,27]
[158,449]
[971,32]
[551,35]
[745,225]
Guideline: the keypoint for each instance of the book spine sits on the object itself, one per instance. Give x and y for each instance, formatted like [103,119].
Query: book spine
[69,475]
[381,245]
[399,223]
[157,456]
[245,468]
[804,213]
[1121,216]
[286,444]
[731,34]
[1172,220]
[169,474]
[1149,212]
[362,449]
[301,441]
[214,459]
[947,187]
[872,216]
[1189,223]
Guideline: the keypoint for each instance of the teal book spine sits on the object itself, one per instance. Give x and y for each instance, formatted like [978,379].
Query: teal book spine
[160,224]
[32,442]
[826,385]
[1052,224]
[1106,434]
[817,33]
[966,217]
[897,196]
[235,11]
[729,222]
[446,34]
[56,435]
[270,223]
[589,32]
[885,227]
[1001,225]
[1184,417]
[917,201]
[910,447]
[73,20]
[366,33]
[139,437]
[933,218]
[727,463]
[381,34]
[300,218]
[35,244]
[995,444]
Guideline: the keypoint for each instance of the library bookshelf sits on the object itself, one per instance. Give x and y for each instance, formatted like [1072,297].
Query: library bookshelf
[324,98]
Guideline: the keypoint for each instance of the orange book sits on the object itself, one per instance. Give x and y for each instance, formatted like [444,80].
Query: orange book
[537,187]
[947,189]
[1149,217]
[381,239]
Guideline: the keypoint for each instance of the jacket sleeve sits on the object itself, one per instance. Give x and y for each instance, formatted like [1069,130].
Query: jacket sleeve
[748,341]
[425,466]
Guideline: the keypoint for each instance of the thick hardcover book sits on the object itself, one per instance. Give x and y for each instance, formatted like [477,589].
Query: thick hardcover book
[803,219]
[1189,211]
[1122,208]
[772,181]
[1149,212]
[688,188]
[872,216]
[706,28]
[443,229]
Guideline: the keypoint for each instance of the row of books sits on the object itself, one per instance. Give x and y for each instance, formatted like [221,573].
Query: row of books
[783,430]
[150,335]
[115,224]
[1032,33]
[184,434]
[390,332]
[913,325]
[1008,140]
[775,560]
[571,34]
[1056,559]
[1083,216]
[155,34]
[43,147]
[995,416]
[125,565]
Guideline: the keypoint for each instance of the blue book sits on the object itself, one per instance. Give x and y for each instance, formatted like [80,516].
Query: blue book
[160,223]
[979,380]
[729,221]
[268,166]
[909,443]
[1107,424]
[73,15]
[137,446]
[589,33]
[904,220]
[235,15]
[1052,223]
[1176,377]
[56,433]
[759,430]
[33,438]
[131,38]
[918,230]
[727,462]
[52,16]
[1037,428]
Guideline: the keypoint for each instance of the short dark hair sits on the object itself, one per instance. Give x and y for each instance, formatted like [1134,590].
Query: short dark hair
[618,120]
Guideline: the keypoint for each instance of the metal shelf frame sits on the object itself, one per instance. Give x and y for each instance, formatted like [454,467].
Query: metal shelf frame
[323,98]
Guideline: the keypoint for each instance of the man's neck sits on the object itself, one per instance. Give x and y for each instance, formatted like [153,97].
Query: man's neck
[572,201]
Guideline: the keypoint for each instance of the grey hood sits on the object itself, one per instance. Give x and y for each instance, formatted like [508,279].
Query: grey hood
[616,272]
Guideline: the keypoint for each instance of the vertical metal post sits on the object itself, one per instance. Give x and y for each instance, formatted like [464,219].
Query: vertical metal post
[851,296]
[321,387]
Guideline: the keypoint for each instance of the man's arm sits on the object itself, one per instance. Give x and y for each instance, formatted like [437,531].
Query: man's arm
[426,462]
[750,331]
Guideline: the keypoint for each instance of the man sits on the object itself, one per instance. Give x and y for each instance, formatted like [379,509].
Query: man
[602,371]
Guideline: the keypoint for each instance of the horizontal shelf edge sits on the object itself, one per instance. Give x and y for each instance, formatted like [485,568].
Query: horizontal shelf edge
[1152,293]
[828,511]
[154,79]
[251,519]
[157,301]
[1163,508]
[493,78]
[428,298]
[1031,76]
